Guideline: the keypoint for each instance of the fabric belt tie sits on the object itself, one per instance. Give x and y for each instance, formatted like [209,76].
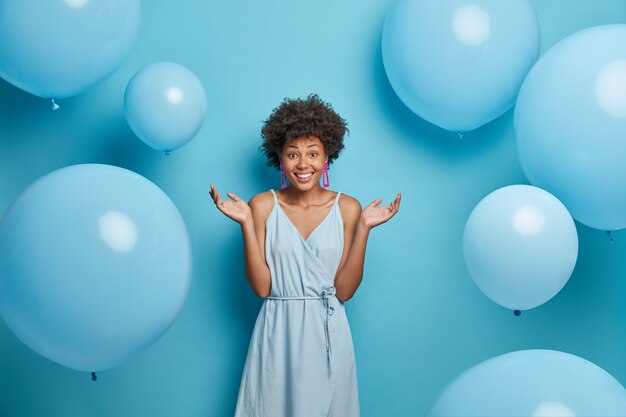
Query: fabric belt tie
[327,293]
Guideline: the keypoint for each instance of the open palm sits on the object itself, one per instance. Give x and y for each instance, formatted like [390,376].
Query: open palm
[235,208]
[374,214]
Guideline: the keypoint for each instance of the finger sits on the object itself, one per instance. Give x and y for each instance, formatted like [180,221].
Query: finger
[398,199]
[376,202]
[214,194]
[233,197]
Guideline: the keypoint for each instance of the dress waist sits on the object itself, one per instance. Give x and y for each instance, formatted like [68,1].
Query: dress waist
[327,293]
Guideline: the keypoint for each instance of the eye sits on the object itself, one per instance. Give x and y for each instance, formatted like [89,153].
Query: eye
[291,155]
[314,154]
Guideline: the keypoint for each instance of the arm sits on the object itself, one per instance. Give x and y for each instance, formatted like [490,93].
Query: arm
[357,226]
[251,218]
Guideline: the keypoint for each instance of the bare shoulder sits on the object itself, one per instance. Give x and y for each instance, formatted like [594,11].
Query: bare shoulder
[262,200]
[350,207]
[261,205]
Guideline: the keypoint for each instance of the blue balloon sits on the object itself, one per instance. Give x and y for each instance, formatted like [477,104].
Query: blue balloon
[520,246]
[58,49]
[534,383]
[570,124]
[165,105]
[95,265]
[459,64]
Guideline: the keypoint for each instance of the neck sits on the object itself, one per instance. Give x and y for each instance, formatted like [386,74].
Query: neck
[314,196]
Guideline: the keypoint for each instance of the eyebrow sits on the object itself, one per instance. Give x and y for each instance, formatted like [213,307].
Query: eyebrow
[310,146]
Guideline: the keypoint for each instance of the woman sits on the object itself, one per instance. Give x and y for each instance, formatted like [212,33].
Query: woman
[304,249]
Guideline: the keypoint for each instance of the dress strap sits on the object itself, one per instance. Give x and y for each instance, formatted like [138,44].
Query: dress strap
[274,194]
[337,199]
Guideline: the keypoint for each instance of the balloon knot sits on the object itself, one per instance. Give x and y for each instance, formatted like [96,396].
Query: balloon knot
[610,235]
[93,376]
[54,105]
[460,135]
[168,153]
[517,313]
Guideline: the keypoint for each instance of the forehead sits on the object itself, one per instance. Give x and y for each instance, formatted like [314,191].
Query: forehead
[304,143]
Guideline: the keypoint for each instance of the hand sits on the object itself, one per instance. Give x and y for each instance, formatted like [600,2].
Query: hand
[235,208]
[374,215]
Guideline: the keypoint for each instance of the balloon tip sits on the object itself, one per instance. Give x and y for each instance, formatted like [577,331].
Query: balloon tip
[93,376]
[54,105]
[611,236]
[517,313]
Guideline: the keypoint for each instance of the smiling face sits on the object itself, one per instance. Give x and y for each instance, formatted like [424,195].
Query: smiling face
[303,160]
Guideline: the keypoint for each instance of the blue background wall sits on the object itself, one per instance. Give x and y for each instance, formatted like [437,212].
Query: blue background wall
[418,320]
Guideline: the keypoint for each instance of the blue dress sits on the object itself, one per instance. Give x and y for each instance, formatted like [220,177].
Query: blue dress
[300,360]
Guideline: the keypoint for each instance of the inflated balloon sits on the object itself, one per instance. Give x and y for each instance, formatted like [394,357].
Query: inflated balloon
[165,105]
[520,246]
[95,265]
[58,49]
[459,64]
[534,383]
[570,122]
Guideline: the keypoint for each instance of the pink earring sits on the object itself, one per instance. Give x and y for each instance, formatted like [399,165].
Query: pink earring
[283,179]
[325,181]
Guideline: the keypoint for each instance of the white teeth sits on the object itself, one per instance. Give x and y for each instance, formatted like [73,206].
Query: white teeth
[304,176]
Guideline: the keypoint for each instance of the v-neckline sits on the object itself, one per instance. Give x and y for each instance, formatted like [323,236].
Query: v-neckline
[326,216]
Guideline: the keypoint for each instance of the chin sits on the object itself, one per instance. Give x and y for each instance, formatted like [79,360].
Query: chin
[305,187]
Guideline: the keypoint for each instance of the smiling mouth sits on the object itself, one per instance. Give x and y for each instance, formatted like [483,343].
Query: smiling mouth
[304,176]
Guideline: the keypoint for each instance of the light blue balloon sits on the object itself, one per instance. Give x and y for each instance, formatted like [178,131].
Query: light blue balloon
[459,64]
[95,264]
[165,105]
[520,246]
[60,48]
[570,125]
[533,383]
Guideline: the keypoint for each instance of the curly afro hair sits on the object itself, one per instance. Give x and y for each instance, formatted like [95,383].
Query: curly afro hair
[295,118]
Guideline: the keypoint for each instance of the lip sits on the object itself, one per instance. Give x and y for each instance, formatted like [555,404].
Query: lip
[303,180]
